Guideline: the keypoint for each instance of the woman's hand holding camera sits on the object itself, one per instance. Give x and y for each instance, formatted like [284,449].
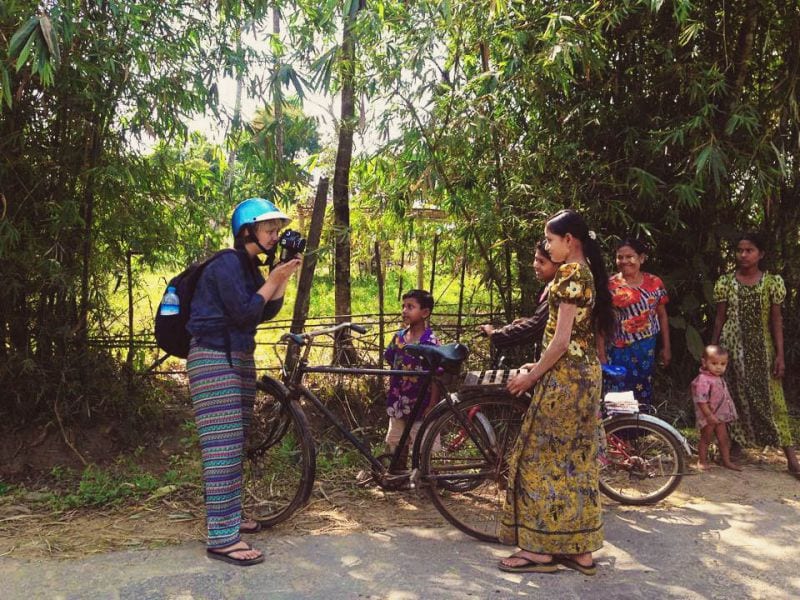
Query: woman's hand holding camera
[284,270]
[275,285]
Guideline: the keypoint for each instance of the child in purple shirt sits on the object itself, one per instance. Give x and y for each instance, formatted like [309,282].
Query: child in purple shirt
[404,391]
[713,406]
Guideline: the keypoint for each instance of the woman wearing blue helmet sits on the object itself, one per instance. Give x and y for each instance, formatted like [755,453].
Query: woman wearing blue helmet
[230,300]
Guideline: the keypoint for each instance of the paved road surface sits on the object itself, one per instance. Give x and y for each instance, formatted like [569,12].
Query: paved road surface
[701,550]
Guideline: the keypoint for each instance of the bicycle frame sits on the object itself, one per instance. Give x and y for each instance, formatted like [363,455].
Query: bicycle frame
[298,389]
[294,383]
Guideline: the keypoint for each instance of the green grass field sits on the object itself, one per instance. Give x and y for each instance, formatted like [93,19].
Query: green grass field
[149,288]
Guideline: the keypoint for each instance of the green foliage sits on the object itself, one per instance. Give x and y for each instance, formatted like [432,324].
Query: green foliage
[490,117]
[122,482]
[638,113]
[82,85]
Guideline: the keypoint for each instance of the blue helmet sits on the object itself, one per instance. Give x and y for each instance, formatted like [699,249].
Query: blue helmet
[255,210]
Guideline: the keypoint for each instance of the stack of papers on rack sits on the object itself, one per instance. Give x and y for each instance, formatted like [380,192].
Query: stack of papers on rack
[621,402]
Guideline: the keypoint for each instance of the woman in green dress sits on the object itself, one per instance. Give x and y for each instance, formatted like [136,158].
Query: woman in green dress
[552,510]
[749,324]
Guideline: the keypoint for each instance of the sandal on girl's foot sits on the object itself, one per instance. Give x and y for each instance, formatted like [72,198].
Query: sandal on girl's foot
[529,566]
[255,528]
[227,556]
[576,566]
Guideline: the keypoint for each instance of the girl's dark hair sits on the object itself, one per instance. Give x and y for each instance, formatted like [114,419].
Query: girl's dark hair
[541,246]
[239,242]
[246,234]
[422,296]
[754,238]
[568,221]
[638,245]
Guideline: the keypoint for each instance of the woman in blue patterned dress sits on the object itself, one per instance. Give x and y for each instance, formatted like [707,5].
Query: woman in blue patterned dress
[228,304]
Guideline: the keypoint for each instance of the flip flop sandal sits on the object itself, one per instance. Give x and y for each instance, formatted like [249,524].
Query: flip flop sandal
[529,566]
[576,566]
[227,557]
[252,529]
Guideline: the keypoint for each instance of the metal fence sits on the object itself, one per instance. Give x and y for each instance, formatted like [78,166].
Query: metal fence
[144,356]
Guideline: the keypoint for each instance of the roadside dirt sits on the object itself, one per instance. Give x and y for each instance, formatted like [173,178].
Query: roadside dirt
[338,506]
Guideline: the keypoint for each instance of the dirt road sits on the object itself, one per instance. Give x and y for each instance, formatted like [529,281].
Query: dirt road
[736,540]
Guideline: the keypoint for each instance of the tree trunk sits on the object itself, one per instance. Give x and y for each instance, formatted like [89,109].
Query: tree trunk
[278,103]
[341,184]
[95,146]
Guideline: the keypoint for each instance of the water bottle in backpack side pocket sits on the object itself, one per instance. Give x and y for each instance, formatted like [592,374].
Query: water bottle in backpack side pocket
[170,303]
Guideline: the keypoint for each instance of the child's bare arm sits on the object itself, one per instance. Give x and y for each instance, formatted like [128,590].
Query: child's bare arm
[435,397]
[711,418]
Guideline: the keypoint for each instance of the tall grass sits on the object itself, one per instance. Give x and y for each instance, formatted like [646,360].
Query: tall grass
[148,288]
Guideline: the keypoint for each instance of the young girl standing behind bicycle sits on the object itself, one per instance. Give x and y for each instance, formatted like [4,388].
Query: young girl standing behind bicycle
[404,391]
[552,510]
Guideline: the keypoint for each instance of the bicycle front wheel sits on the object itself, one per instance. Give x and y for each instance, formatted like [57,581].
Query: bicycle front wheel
[643,464]
[464,461]
[280,460]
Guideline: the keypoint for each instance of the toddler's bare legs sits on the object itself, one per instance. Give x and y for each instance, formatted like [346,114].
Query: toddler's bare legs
[791,460]
[721,429]
[706,435]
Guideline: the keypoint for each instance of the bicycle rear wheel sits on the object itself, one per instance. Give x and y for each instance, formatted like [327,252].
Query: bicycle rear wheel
[644,462]
[280,460]
[464,461]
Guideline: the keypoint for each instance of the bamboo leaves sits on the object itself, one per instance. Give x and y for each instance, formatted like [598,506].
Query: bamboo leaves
[35,41]
[22,37]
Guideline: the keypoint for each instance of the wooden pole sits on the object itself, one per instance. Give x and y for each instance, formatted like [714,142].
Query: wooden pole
[433,262]
[303,299]
[129,273]
[461,292]
[381,330]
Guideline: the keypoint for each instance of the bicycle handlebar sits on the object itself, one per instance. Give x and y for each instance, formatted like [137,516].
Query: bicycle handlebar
[302,338]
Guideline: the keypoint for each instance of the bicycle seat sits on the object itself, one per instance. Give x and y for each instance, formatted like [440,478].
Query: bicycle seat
[449,356]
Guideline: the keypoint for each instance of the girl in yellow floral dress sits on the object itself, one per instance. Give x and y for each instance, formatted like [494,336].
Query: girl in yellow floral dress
[552,510]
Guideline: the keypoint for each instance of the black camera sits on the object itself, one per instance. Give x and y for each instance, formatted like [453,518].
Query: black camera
[291,244]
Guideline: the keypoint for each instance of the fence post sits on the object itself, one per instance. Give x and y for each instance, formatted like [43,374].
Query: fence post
[129,274]
[379,265]
[461,292]
[433,261]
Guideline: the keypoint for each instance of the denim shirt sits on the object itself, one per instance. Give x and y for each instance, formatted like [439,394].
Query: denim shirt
[225,299]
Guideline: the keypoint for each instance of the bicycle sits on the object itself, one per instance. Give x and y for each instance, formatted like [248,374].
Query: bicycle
[642,459]
[281,452]
[460,455]
[645,457]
